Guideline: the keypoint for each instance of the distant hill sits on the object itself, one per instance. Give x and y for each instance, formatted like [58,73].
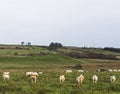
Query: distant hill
[74,52]
[17,56]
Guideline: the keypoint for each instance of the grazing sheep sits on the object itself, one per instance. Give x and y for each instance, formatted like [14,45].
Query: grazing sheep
[35,73]
[112,78]
[110,70]
[94,78]
[114,70]
[34,78]
[29,73]
[40,73]
[62,78]
[118,70]
[80,79]
[97,70]
[68,71]
[101,70]
[80,70]
[6,75]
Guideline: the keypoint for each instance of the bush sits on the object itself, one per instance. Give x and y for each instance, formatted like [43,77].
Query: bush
[78,66]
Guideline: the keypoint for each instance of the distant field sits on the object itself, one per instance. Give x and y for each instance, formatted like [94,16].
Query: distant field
[28,57]
[19,59]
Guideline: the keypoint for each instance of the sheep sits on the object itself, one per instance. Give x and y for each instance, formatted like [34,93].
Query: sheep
[97,70]
[34,78]
[6,75]
[118,70]
[100,70]
[34,73]
[114,70]
[94,78]
[80,79]
[80,70]
[40,73]
[110,70]
[29,73]
[68,71]
[62,78]
[112,78]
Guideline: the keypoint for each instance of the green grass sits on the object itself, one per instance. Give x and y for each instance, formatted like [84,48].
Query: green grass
[53,64]
[48,83]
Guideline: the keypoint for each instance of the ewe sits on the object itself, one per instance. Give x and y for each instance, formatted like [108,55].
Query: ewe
[80,70]
[68,71]
[114,70]
[29,73]
[110,70]
[80,79]
[40,72]
[6,75]
[34,76]
[112,78]
[62,78]
[35,73]
[94,78]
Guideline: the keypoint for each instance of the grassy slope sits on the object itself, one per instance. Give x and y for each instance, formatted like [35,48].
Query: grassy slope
[9,59]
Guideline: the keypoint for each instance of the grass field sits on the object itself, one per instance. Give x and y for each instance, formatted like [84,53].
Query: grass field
[19,59]
[48,83]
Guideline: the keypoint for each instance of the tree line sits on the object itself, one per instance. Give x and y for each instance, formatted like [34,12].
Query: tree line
[54,46]
[112,49]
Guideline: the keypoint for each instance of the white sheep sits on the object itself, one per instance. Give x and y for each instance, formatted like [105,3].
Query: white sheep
[94,78]
[62,78]
[80,79]
[29,73]
[6,75]
[40,73]
[112,78]
[34,78]
[68,71]
[110,70]
[34,73]
[118,70]
[80,70]
[114,70]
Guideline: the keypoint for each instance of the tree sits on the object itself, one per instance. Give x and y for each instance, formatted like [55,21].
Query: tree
[54,46]
[22,43]
[29,43]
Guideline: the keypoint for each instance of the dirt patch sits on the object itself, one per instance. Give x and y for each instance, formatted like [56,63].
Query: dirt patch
[93,66]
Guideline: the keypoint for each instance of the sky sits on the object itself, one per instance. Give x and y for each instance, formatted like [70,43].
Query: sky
[89,23]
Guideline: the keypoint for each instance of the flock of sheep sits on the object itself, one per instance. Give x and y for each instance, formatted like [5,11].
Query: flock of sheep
[33,75]
[79,79]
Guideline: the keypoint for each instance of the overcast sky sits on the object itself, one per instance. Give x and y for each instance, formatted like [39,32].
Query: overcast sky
[91,23]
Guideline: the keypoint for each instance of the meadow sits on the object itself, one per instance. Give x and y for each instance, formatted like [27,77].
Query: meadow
[48,83]
[53,64]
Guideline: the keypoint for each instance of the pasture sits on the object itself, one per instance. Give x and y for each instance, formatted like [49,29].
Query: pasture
[18,60]
[48,83]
